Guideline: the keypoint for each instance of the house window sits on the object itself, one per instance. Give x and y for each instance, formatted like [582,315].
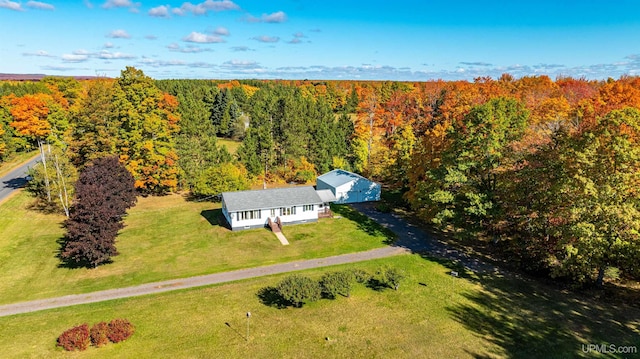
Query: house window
[287,211]
[273,212]
[246,215]
[307,208]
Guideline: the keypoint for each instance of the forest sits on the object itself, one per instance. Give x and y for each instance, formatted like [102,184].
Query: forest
[546,170]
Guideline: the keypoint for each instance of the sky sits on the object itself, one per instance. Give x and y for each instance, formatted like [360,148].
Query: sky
[322,39]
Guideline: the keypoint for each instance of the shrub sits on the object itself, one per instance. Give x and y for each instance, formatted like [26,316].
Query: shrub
[334,283]
[99,333]
[391,277]
[298,290]
[119,330]
[76,338]
[361,276]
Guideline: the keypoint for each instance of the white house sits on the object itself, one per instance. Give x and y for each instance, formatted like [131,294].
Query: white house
[349,187]
[254,209]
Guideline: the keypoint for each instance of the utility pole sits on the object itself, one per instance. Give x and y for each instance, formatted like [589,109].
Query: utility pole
[248,316]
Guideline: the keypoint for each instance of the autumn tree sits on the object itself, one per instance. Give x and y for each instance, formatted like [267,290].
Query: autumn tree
[104,192]
[30,114]
[95,129]
[220,178]
[148,120]
[603,227]
[463,188]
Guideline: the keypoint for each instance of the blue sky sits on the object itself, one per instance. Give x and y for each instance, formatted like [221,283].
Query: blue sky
[322,39]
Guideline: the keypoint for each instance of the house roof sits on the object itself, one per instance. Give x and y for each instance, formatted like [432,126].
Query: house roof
[326,195]
[270,198]
[338,177]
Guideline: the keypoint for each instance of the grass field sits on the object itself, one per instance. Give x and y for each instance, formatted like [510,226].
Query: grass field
[432,315]
[232,146]
[12,162]
[164,238]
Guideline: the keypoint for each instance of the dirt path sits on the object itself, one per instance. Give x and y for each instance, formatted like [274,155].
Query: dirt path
[410,239]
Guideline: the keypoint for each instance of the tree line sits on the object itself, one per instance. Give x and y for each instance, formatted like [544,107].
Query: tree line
[546,169]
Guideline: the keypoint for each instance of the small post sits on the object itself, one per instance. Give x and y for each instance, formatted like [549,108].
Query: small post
[248,316]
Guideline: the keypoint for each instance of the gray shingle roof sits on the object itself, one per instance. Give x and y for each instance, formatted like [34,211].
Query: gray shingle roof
[326,195]
[270,198]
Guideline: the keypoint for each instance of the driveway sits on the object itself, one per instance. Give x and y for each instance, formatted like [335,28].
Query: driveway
[418,241]
[16,179]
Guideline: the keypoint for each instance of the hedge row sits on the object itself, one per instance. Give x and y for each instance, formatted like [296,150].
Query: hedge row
[296,290]
[80,337]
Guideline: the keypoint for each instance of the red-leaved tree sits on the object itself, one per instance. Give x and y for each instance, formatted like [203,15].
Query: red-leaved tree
[104,192]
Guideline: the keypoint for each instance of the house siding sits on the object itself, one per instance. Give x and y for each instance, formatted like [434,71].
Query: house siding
[357,190]
[265,213]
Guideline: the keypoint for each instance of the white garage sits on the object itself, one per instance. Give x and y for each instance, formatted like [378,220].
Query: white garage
[349,187]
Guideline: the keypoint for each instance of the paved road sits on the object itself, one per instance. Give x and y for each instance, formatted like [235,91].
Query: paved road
[16,179]
[410,239]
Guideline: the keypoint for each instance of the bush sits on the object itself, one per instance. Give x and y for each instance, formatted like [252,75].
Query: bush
[76,338]
[391,277]
[99,333]
[298,290]
[334,283]
[119,330]
[361,276]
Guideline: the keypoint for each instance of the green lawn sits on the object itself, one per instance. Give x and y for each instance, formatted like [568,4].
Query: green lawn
[14,161]
[165,237]
[232,146]
[432,315]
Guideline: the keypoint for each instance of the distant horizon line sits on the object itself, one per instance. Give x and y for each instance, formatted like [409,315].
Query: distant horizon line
[38,77]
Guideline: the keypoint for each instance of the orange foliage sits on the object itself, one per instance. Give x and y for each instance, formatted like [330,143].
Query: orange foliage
[30,115]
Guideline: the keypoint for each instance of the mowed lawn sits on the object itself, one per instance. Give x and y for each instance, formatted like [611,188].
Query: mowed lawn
[164,237]
[432,315]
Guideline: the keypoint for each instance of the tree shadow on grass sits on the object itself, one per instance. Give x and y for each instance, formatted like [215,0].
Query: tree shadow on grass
[270,297]
[68,263]
[526,318]
[365,223]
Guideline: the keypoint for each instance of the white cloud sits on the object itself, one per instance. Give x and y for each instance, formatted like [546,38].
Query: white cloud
[88,4]
[204,7]
[108,45]
[11,5]
[39,53]
[241,48]
[40,5]
[268,39]
[151,37]
[222,31]
[273,18]
[187,49]
[160,11]
[111,4]
[241,64]
[202,38]
[276,17]
[119,34]
[108,55]
[117,3]
[75,57]
[295,40]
